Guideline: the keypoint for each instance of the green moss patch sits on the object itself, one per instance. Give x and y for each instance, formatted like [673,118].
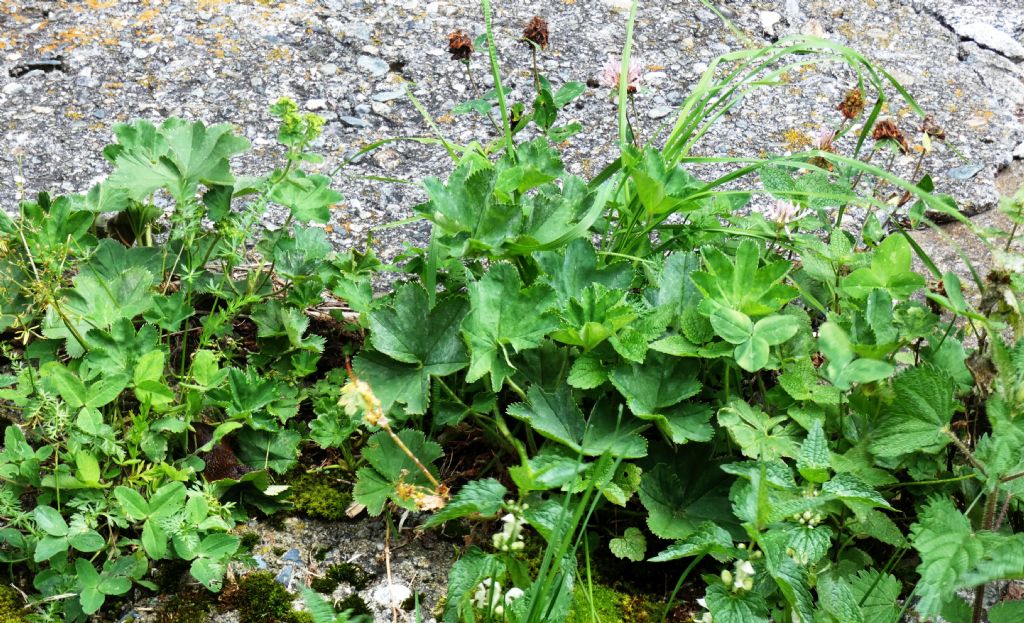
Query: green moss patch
[318,496]
[346,572]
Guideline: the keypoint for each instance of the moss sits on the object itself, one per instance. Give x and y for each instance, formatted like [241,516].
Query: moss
[10,606]
[168,575]
[346,572]
[301,617]
[259,599]
[186,607]
[611,606]
[318,496]
[355,605]
[320,553]
[249,541]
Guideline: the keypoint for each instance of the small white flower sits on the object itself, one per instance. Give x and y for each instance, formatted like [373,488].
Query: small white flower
[487,596]
[612,71]
[782,213]
[513,594]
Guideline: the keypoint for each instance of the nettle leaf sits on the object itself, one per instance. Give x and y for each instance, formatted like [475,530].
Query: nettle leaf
[727,606]
[1004,612]
[843,369]
[948,548]
[838,599]
[758,435]
[632,545]
[479,497]
[890,269]
[801,381]
[788,575]
[679,498]
[878,595]
[919,416]
[504,317]
[813,461]
[709,538]
[573,268]
[309,197]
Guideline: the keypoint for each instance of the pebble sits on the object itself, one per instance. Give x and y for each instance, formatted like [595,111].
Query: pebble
[387,96]
[660,112]
[392,596]
[354,122]
[292,555]
[12,88]
[768,21]
[965,172]
[988,36]
[1018,151]
[317,104]
[375,66]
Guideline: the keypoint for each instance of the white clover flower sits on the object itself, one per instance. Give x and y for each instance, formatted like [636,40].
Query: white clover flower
[782,213]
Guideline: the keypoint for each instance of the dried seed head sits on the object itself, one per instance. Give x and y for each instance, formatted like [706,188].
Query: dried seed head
[886,129]
[536,31]
[460,46]
[852,104]
[933,129]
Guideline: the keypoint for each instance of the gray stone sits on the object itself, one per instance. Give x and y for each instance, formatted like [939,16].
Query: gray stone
[374,66]
[965,172]
[660,112]
[988,36]
[292,555]
[316,104]
[387,96]
[354,122]
[285,575]
[768,20]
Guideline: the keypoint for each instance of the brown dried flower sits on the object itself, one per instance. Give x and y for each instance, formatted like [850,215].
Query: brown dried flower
[460,46]
[933,129]
[536,31]
[852,104]
[886,129]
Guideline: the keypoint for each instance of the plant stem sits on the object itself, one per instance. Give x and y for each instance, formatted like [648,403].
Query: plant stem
[496,74]
[624,77]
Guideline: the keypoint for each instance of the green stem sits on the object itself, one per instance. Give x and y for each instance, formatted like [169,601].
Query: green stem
[624,78]
[496,74]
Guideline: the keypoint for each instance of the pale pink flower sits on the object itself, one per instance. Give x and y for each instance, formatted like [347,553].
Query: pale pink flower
[612,70]
[824,140]
[782,213]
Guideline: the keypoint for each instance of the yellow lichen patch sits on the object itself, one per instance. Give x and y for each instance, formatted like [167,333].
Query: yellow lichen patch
[147,16]
[73,114]
[99,5]
[795,140]
[280,53]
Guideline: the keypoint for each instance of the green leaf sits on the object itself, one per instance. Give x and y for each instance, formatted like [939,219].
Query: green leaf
[413,333]
[132,502]
[478,497]
[948,548]
[390,461]
[879,596]
[836,597]
[776,329]
[890,269]
[758,435]
[89,580]
[851,489]
[48,547]
[277,451]
[843,370]
[732,326]
[571,270]
[587,372]
[50,521]
[154,540]
[742,284]
[709,538]
[372,490]
[680,498]
[554,415]
[632,545]
[504,319]
[813,461]
[89,541]
[1005,612]
[727,606]
[209,572]
[309,197]
[88,467]
[918,417]
[658,383]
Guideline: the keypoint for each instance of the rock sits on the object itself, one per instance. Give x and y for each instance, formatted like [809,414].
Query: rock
[12,88]
[387,96]
[813,28]
[988,36]
[392,596]
[768,21]
[375,66]
[660,112]
[354,122]
[1018,151]
[284,576]
[317,104]
[965,172]
[292,555]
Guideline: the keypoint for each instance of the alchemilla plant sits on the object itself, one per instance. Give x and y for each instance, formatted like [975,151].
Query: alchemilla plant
[742,380]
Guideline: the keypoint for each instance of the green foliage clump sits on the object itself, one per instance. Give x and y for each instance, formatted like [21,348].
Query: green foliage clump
[190,607]
[610,606]
[355,606]
[10,606]
[317,496]
[262,600]
[249,540]
[346,572]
